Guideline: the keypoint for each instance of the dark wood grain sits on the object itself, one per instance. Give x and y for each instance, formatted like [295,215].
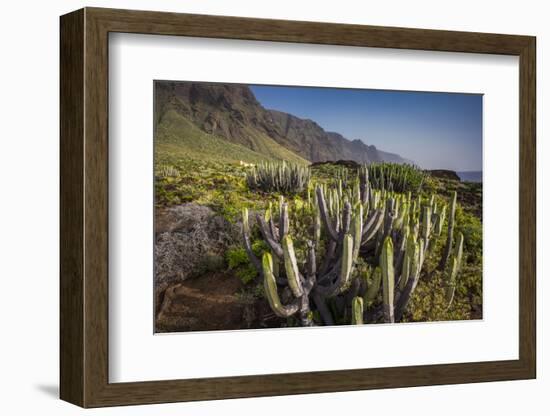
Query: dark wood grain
[71,100]
[84,207]
[527,208]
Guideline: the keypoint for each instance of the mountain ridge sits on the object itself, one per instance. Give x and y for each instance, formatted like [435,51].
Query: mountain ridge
[231,111]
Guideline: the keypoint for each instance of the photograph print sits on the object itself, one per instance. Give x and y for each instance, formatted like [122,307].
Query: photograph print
[291,206]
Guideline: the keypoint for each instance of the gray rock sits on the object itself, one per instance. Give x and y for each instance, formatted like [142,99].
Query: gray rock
[190,240]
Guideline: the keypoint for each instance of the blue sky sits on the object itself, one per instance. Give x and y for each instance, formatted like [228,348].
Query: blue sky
[435,130]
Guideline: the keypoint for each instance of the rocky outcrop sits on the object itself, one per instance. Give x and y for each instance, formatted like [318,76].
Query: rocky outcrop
[190,240]
[444,174]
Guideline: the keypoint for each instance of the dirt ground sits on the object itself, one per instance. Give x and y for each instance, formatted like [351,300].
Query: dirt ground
[211,302]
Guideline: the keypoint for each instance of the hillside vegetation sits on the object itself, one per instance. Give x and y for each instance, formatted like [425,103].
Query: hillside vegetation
[220,184]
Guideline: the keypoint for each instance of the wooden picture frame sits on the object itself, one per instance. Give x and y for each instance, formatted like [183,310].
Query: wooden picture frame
[84,207]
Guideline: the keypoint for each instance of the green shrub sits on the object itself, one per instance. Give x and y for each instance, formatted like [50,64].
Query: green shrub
[237,260]
[236,257]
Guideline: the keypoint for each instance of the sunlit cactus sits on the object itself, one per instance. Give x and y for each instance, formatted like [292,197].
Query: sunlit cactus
[282,177]
[361,254]
[453,269]
[388,279]
[357,311]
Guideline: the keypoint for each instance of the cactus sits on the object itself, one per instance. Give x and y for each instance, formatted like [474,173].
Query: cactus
[396,178]
[357,311]
[453,270]
[347,261]
[278,177]
[374,287]
[354,230]
[291,267]
[388,279]
[450,229]
[270,288]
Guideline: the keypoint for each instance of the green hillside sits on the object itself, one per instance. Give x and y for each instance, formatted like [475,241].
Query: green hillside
[178,137]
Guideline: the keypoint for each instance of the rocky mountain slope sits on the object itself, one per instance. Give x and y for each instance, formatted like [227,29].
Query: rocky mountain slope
[232,112]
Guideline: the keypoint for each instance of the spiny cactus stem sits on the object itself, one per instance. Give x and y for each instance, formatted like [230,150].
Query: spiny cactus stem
[450,228]
[317,226]
[291,267]
[388,279]
[347,260]
[346,218]
[311,264]
[270,288]
[324,214]
[374,287]
[305,318]
[264,229]
[357,311]
[328,257]
[320,303]
[401,255]
[369,231]
[454,269]
[414,276]
[274,229]
[283,220]
[357,232]
[247,244]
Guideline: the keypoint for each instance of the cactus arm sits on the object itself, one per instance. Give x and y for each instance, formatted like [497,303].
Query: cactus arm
[370,221]
[403,212]
[357,311]
[324,214]
[305,312]
[450,228]
[273,228]
[321,305]
[346,218]
[409,264]
[456,263]
[369,231]
[374,287]
[268,237]
[347,261]
[364,184]
[439,220]
[311,266]
[283,220]
[414,277]
[390,216]
[345,266]
[270,288]
[317,226]
[388,279]
[329,256]
[291,267]
[247,244]
[459,249]
[400,263]
[357,232]
[426,223]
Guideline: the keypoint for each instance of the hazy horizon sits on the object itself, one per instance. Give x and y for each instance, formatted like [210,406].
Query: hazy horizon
[435,130]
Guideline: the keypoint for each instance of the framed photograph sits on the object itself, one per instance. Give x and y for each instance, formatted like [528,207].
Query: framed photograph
[257,207]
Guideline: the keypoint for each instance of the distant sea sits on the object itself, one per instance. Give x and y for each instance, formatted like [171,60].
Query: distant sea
[472,176]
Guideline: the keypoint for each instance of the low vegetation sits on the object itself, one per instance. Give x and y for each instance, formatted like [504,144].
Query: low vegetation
[336,245]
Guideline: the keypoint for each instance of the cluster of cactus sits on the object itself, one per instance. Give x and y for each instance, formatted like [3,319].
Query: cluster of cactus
[167,171]
[395,177]
[281,177]
[352,224]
